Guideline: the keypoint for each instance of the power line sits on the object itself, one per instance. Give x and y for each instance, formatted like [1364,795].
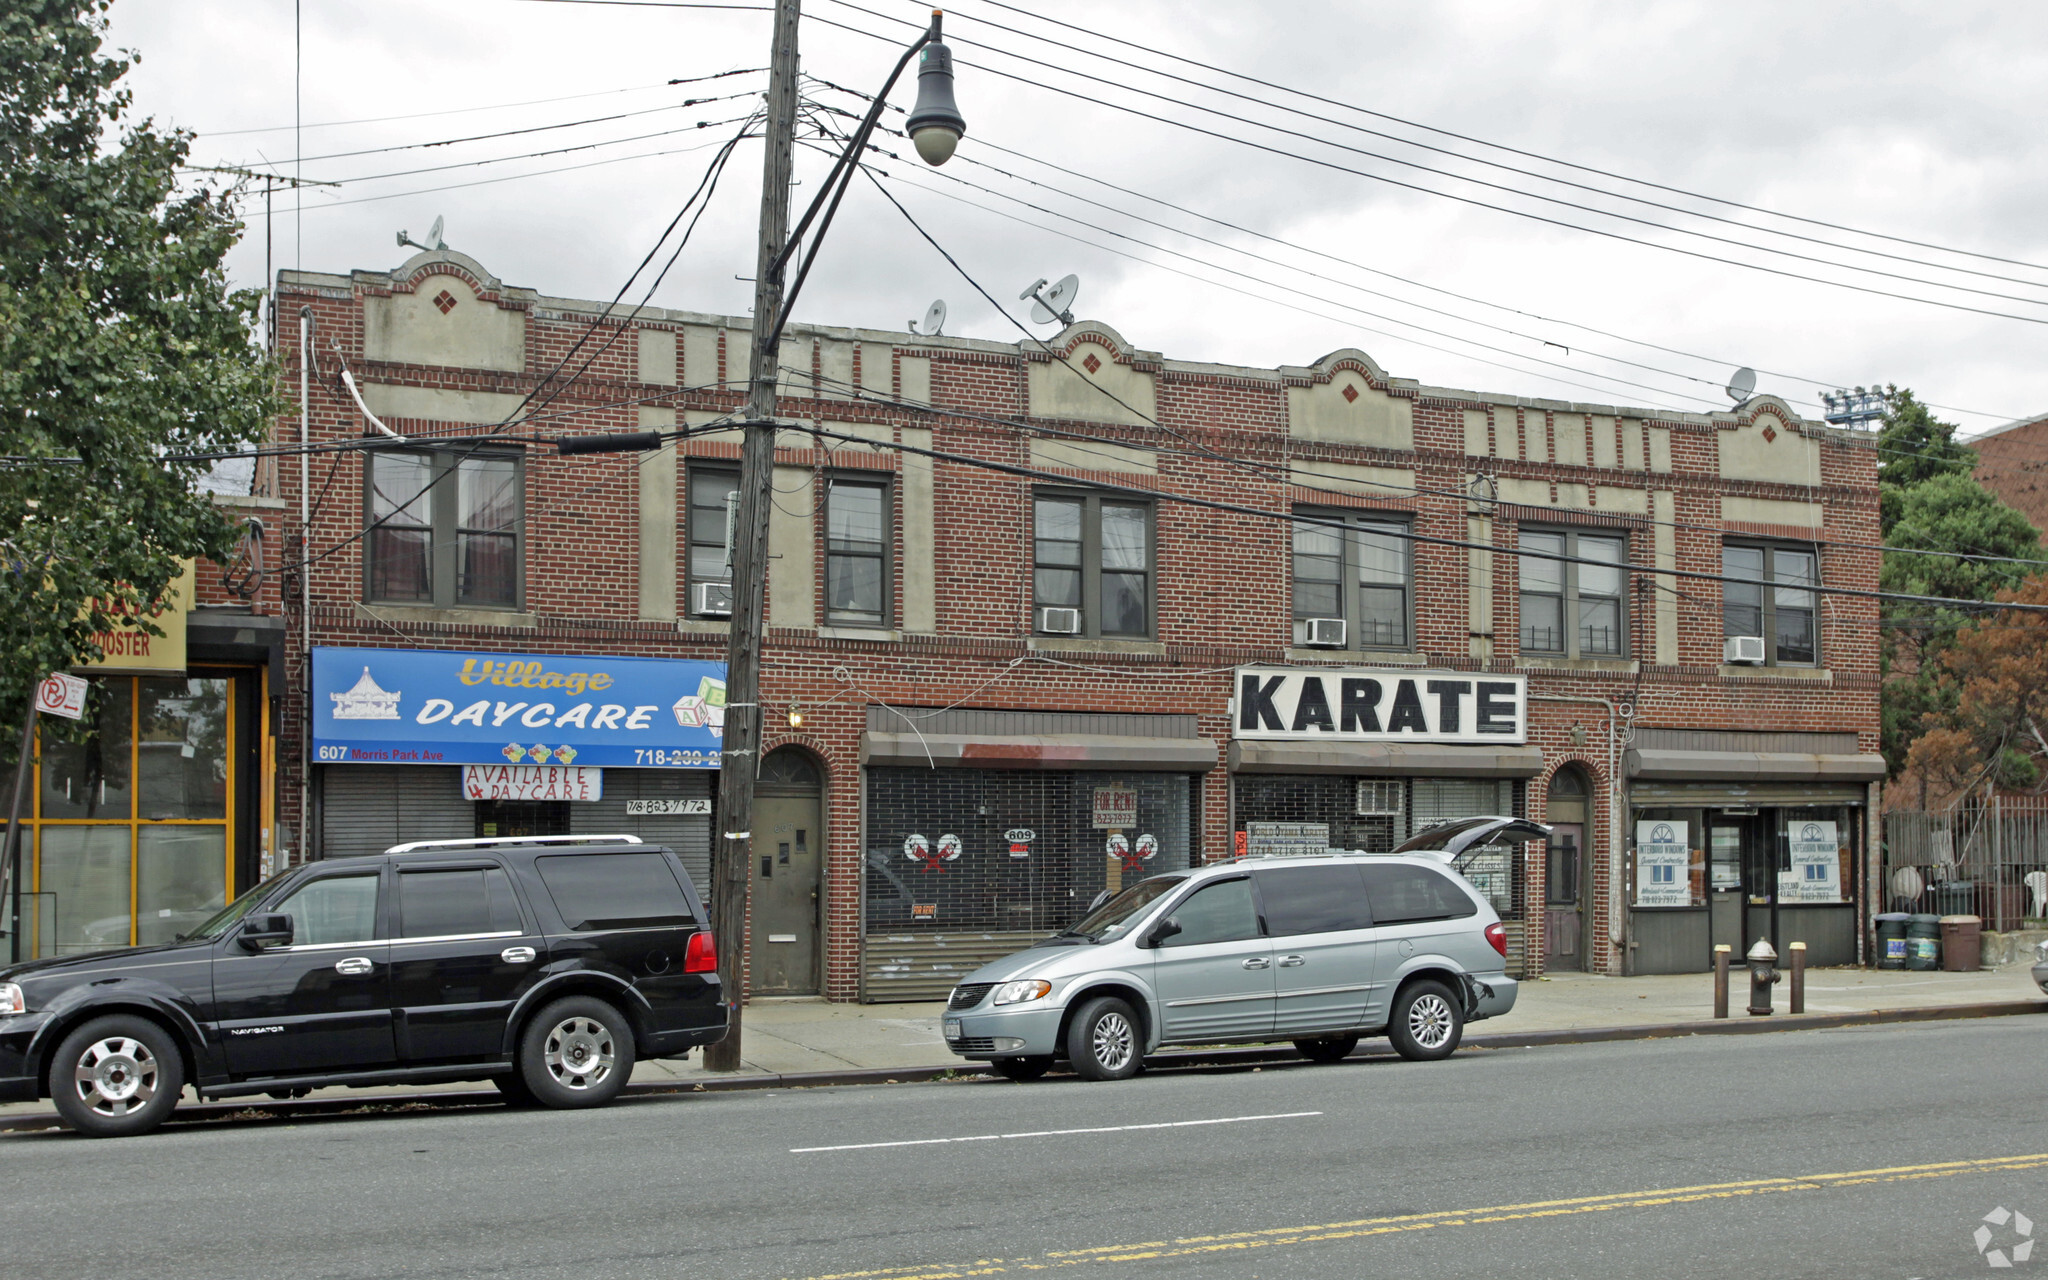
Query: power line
[1469,200]
[552,151]
[1533,155]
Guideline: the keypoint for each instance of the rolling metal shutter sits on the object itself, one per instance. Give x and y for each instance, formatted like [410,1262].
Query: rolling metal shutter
[689,834]
[1441,799]
[367,808]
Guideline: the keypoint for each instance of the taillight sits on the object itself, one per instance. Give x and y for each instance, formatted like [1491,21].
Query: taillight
[702,956]
[1497,936]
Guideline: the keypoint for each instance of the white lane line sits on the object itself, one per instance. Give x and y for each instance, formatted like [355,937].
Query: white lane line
[1051,1133]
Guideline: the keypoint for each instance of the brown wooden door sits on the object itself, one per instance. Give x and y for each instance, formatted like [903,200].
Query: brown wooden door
[1563,915]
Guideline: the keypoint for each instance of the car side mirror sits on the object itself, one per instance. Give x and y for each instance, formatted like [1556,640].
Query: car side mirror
[271,929]
[1162,931]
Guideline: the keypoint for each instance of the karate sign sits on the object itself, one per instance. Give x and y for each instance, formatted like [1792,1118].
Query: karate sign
[1376,705]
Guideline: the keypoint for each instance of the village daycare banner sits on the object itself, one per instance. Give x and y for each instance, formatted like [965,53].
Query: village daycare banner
[413,706]
[1378,705]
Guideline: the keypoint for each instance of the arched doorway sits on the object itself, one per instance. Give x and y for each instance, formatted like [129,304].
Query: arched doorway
[1567,862]
[789,858]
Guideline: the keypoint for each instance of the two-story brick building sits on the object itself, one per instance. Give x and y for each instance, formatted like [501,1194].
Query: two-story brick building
[1045,618]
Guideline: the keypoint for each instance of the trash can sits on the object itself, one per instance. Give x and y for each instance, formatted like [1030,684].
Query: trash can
[1962,943]
[1891,940]
[1923,942]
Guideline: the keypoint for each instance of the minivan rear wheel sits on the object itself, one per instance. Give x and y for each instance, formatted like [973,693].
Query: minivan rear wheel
[116,1076]
[1104,1042]
[1327,1048]
[1428,1022]
[576,1052]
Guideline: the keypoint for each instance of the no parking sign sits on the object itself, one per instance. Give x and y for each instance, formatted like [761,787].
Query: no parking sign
[61,695]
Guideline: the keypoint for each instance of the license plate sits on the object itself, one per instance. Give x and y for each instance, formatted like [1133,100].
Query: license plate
[952,1028]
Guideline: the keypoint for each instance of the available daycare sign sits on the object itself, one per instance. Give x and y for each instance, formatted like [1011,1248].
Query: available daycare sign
[1363,704]
[554,711]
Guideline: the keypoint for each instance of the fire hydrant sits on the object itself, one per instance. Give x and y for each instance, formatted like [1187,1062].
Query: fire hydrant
[1763,972]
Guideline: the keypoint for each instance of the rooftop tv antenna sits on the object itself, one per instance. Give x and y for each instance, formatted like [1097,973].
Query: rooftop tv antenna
[433,234]
[1055,303]
[934,320]
[1742,385]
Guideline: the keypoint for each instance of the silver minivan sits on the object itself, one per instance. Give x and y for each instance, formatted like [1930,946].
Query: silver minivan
[1317,950]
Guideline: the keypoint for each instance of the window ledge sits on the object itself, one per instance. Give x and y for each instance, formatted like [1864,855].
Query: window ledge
[1816,675]
[1087,644]
[417,613]
[1620,666]
[702,627]
[1356,657]
[886,634]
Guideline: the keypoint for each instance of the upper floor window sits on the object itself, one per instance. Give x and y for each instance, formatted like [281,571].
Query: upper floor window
[1772,601]
[714,492]
[1574,607]
[857,553]
[444,529]
[1352,579]
[1092,569]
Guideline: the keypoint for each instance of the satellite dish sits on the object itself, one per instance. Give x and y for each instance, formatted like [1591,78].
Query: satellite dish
[1742,385]
[934,320]
[1056,303]
[434,240]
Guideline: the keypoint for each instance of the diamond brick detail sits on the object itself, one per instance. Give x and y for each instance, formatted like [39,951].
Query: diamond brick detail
[1091,364]
[1350,392]
[1770,434]
[445,300]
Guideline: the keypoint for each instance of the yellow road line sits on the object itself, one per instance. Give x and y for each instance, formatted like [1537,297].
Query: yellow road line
[1271,1237]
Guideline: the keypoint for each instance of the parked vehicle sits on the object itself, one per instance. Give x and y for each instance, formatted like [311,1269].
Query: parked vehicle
[1315,950]
[547,965]
[2041,965]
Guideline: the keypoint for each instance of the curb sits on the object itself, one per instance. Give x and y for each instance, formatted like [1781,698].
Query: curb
[1262,1056]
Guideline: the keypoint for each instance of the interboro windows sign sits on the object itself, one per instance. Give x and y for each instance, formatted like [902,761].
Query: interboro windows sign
[1378,705]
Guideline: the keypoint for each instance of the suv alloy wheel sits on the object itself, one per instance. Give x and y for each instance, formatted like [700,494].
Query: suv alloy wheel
[1104,1041]
[1428,1022]
[116,1076]
[576,1052]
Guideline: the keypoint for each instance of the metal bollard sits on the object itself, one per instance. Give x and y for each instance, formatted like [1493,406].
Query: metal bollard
[1763,972]
[1722,953]
[1798,994]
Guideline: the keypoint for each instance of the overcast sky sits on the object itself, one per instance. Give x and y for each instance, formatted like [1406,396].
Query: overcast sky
[1921,122]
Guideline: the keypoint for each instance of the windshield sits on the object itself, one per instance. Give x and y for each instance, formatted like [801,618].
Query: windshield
[224,919]
[1438,838]
[1114,916]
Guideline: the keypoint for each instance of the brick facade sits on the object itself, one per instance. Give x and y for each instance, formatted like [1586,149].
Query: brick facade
[961,580]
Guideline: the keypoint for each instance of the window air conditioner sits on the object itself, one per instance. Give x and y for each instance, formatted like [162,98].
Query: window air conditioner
[1060,622]
[711,599]
[1749,649]
[1325,633]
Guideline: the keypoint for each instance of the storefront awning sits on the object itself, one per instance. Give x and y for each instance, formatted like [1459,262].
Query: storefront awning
[1760,766]
[1387,759]
[1037,751]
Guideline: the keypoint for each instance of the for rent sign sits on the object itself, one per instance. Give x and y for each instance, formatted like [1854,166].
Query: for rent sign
[1375,705]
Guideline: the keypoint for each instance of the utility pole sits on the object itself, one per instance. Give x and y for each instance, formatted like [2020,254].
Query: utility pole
[741,760]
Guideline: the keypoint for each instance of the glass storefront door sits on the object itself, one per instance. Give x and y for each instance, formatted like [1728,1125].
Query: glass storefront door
[131,824]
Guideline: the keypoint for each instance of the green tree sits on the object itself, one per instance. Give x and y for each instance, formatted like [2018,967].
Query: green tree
[1930,502]
[121,345]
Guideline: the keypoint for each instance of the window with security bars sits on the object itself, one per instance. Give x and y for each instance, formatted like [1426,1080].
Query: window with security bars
[1337,803]
[1029,856]
[1574,607]
[443,528]
[1772,600]
[1499,872]
[1355,569]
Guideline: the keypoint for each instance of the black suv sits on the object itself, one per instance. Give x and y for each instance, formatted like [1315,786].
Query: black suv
[546,965]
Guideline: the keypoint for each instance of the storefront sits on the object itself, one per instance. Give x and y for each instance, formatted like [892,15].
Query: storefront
[153,812]
[414,744]
[1728,847]
[1362,758]
[988,830]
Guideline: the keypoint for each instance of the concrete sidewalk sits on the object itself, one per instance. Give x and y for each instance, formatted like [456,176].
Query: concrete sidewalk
[801,1036]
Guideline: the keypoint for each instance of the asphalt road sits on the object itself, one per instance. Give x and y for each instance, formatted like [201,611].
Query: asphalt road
[1868,1152]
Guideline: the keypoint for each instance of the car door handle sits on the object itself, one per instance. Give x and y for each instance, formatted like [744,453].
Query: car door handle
[354,966]
[1258,962]
[516,955]
[1292,962]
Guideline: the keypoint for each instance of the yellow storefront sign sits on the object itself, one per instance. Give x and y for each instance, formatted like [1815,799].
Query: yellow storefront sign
[130,650]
